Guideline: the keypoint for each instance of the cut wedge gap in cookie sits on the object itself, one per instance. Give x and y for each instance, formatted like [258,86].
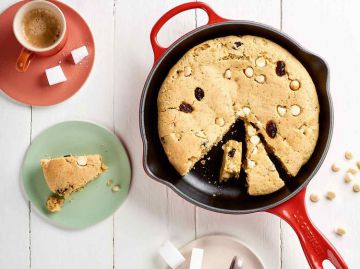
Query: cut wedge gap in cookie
[262,175]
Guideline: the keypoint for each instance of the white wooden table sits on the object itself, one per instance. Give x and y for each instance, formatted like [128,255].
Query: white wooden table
[152,212]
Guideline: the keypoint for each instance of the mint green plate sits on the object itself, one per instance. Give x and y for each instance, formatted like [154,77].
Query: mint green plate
[96,201]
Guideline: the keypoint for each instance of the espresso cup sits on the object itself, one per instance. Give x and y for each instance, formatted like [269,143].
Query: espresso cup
[40,27]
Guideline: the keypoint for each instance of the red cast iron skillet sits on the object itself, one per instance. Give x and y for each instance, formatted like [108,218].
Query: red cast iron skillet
[232,198]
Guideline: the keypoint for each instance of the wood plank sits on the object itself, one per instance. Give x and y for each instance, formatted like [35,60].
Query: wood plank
[260,231]
[14,210]
[330,29]
[152,213]
[92,247]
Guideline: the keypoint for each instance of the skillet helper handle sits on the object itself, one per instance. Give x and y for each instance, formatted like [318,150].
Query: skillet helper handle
[157,48]
[316,247]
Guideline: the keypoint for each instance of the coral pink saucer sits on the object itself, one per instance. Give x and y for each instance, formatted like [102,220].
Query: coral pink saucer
[32,87]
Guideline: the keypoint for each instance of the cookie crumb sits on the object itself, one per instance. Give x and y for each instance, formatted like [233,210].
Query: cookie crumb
[348,177]
[314,198]
[109,182]
[356,187]
[340,231]
[335,168]
[330,195]
[54,203]
[352,171]
[348,155]
[358,164]
[203,162]
[116,188]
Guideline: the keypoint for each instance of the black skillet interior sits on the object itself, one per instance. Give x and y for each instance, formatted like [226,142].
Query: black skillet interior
[201,185]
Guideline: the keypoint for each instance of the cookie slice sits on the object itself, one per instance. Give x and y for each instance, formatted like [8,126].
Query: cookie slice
[231,164]
[65,175]
[262,176]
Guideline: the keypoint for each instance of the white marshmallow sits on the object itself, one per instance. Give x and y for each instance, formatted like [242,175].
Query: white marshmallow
[79,54]
[171,255]
[55,75]
[196,258]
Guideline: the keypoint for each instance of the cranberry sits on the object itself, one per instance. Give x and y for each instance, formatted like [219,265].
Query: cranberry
[185,107]
[199,93]
[231,153]
[280,68]
[271,129]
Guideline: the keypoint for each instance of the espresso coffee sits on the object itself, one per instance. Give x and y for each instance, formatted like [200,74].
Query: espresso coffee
[41,27]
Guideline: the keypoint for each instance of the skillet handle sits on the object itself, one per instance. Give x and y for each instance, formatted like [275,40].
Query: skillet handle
[157,48]
[316,247]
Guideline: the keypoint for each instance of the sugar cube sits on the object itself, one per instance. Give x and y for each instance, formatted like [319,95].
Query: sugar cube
[196,258]
[79,54]
[55,75]
[171,255]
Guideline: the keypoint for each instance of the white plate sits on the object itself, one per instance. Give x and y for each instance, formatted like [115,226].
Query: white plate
[219,251]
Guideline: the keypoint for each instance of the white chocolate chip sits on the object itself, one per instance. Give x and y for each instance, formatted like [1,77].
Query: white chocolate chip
[335,167]
[340,231]
[294,85]
[295,110]
[254,140]
[246,110]
[227,74]
[249,72]
[272,168]
[348,155]
[200,134]
[302,129]
[260,79]
[240,113]
[81,160]
[176,136]
[356,187]
[116,188]
[187,71]
[281,110]
[220,121]
[251,164]
[352,171]
[260,62]
[314,198]
[348,177]
[251,131]
[330,195]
